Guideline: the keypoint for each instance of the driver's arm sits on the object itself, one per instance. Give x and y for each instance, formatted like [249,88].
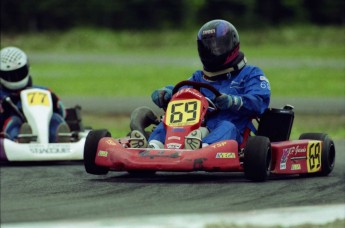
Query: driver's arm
[58,106]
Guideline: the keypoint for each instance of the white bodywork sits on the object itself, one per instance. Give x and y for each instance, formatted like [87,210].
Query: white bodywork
[44,151]
[38,109]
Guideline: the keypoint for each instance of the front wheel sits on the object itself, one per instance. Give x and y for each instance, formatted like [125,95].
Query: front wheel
[327,153]
[90,150]
[257,158]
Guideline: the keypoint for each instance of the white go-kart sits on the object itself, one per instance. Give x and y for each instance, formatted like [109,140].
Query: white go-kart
[34,145]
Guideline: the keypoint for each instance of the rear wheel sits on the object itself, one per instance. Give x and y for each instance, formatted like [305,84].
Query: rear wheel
[257,158]
[90,150]
[327,153]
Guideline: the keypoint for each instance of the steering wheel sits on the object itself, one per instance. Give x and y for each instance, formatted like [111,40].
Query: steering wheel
[198,86]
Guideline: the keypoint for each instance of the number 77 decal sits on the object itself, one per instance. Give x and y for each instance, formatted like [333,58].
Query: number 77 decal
[38,98]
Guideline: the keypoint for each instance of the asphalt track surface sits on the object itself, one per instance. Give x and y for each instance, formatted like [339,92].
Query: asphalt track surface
[51,192]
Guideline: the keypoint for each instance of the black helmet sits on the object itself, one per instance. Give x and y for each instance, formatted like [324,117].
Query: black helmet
[218,46]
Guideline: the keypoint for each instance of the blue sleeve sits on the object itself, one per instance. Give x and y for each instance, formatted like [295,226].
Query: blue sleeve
[196,77]
[256,94]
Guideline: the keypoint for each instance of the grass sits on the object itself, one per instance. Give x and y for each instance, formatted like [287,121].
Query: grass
[299,61]
[302,61]
[140,79]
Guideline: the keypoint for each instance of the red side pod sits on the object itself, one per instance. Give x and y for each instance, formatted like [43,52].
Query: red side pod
[223,156]
[105,146]
[296,157]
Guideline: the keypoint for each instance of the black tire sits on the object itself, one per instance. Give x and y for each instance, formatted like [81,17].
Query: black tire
[90,150]
[257,158]
[327,153]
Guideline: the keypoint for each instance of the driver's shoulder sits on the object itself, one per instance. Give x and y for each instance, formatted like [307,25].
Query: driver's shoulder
[197,76]
[40,87]
[251,69]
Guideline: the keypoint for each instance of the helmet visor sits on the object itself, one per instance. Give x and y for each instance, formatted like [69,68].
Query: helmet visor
[214,46]
[15,75]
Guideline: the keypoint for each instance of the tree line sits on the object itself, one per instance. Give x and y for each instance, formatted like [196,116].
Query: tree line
[45,15]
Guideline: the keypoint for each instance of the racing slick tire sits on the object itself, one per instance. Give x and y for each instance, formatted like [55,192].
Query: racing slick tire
[257,158]
[327,152]
[90,150]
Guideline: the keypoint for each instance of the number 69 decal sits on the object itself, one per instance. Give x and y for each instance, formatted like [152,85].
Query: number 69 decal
[314,156]
[185,112]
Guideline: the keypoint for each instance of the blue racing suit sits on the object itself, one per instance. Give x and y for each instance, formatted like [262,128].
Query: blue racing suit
[11,122]
[252,88]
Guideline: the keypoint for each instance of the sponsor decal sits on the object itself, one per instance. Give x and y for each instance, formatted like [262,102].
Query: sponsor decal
[178,129]
[102,153]
[265,84]
[50,149]
[208,32]
[226,155]
[296,167]
[217,145]
[189,90]
[237,85]
[263,78]
[300,149]
[174,137]
[294,150]
[174,146]
[284,157]
[111,142]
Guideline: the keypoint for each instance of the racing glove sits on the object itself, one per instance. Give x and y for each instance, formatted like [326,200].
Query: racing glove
[161,97]
[225,102]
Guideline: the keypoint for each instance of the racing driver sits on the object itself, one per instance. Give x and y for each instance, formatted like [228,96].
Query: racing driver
[245,90]
[15,77]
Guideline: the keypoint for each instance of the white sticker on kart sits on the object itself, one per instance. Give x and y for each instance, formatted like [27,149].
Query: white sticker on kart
[50,148]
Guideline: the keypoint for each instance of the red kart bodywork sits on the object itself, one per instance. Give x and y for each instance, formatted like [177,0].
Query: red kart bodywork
[221,156]
[268,152]
[296,157]
[289,157]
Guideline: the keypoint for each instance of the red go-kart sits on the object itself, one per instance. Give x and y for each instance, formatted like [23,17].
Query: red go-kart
[268,151]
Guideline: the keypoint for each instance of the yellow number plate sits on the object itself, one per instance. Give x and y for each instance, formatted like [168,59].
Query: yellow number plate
[38,98]
[183,112]
[314,156]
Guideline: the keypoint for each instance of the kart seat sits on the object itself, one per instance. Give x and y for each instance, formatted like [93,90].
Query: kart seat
[73,118]
[276,124]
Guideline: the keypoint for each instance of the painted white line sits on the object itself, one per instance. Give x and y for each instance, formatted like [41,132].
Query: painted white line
[286,217]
